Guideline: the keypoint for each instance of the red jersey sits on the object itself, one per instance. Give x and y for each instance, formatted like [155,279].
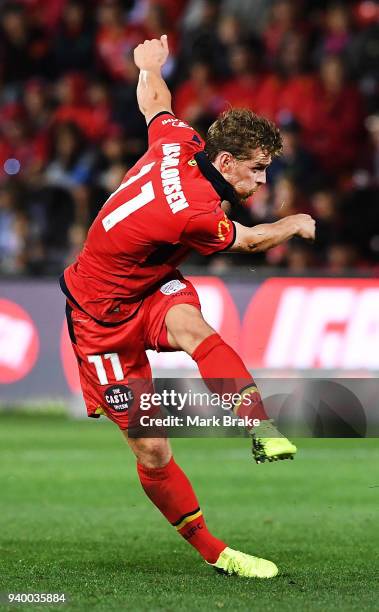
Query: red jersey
[166,205]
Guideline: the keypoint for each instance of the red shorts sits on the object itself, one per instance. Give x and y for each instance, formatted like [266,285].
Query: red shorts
[113,365]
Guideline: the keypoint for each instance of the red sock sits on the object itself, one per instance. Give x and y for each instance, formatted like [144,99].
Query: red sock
[171,492]
[223,371]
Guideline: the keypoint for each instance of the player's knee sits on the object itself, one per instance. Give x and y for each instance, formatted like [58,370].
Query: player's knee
[151,452]
[187,328]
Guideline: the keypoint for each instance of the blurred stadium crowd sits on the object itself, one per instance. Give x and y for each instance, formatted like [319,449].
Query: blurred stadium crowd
[70,125]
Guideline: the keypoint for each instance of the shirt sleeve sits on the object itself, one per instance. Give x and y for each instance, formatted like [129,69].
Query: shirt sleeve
[165,126]
[209,232]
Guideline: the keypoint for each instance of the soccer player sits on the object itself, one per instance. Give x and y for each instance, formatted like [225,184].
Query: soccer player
[125,294]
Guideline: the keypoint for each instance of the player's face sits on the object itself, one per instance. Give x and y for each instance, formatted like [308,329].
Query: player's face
[248,175]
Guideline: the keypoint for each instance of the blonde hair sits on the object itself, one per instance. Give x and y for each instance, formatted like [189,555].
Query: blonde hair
[239,131]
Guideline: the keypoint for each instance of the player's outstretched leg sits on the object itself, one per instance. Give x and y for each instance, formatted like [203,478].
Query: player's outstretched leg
[214,357]
[223,371]
[171,492]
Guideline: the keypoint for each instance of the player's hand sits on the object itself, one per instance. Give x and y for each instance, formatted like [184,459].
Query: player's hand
[152,54]
[305,226]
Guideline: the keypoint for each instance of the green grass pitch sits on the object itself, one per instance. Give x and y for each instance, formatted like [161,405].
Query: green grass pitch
[74,519]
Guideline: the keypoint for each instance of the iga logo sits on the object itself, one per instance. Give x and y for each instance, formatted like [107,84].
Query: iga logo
[313,323]
[19,342]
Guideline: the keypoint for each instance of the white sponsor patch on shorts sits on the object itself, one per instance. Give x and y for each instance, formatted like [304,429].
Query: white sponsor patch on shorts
[173,286]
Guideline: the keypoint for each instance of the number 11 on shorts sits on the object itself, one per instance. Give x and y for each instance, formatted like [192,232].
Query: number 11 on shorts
[97,360]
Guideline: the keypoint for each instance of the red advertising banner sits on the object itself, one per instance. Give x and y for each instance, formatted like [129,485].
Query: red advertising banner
[306,323]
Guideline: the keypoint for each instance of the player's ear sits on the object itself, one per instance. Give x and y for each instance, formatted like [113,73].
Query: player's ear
[226,161]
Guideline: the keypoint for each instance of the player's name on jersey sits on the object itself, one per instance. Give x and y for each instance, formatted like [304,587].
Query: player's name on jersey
[226,420]
[170,176]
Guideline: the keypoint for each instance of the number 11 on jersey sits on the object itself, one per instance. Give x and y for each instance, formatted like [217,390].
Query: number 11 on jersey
[127,208]
[97,360]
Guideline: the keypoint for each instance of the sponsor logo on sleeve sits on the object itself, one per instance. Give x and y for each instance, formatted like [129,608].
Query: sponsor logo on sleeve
[223,228]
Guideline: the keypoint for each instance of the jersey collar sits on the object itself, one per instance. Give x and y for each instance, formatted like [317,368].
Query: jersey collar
[224,189]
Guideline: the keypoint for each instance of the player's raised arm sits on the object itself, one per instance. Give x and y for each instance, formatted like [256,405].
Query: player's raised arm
[153,94]
[267,235]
